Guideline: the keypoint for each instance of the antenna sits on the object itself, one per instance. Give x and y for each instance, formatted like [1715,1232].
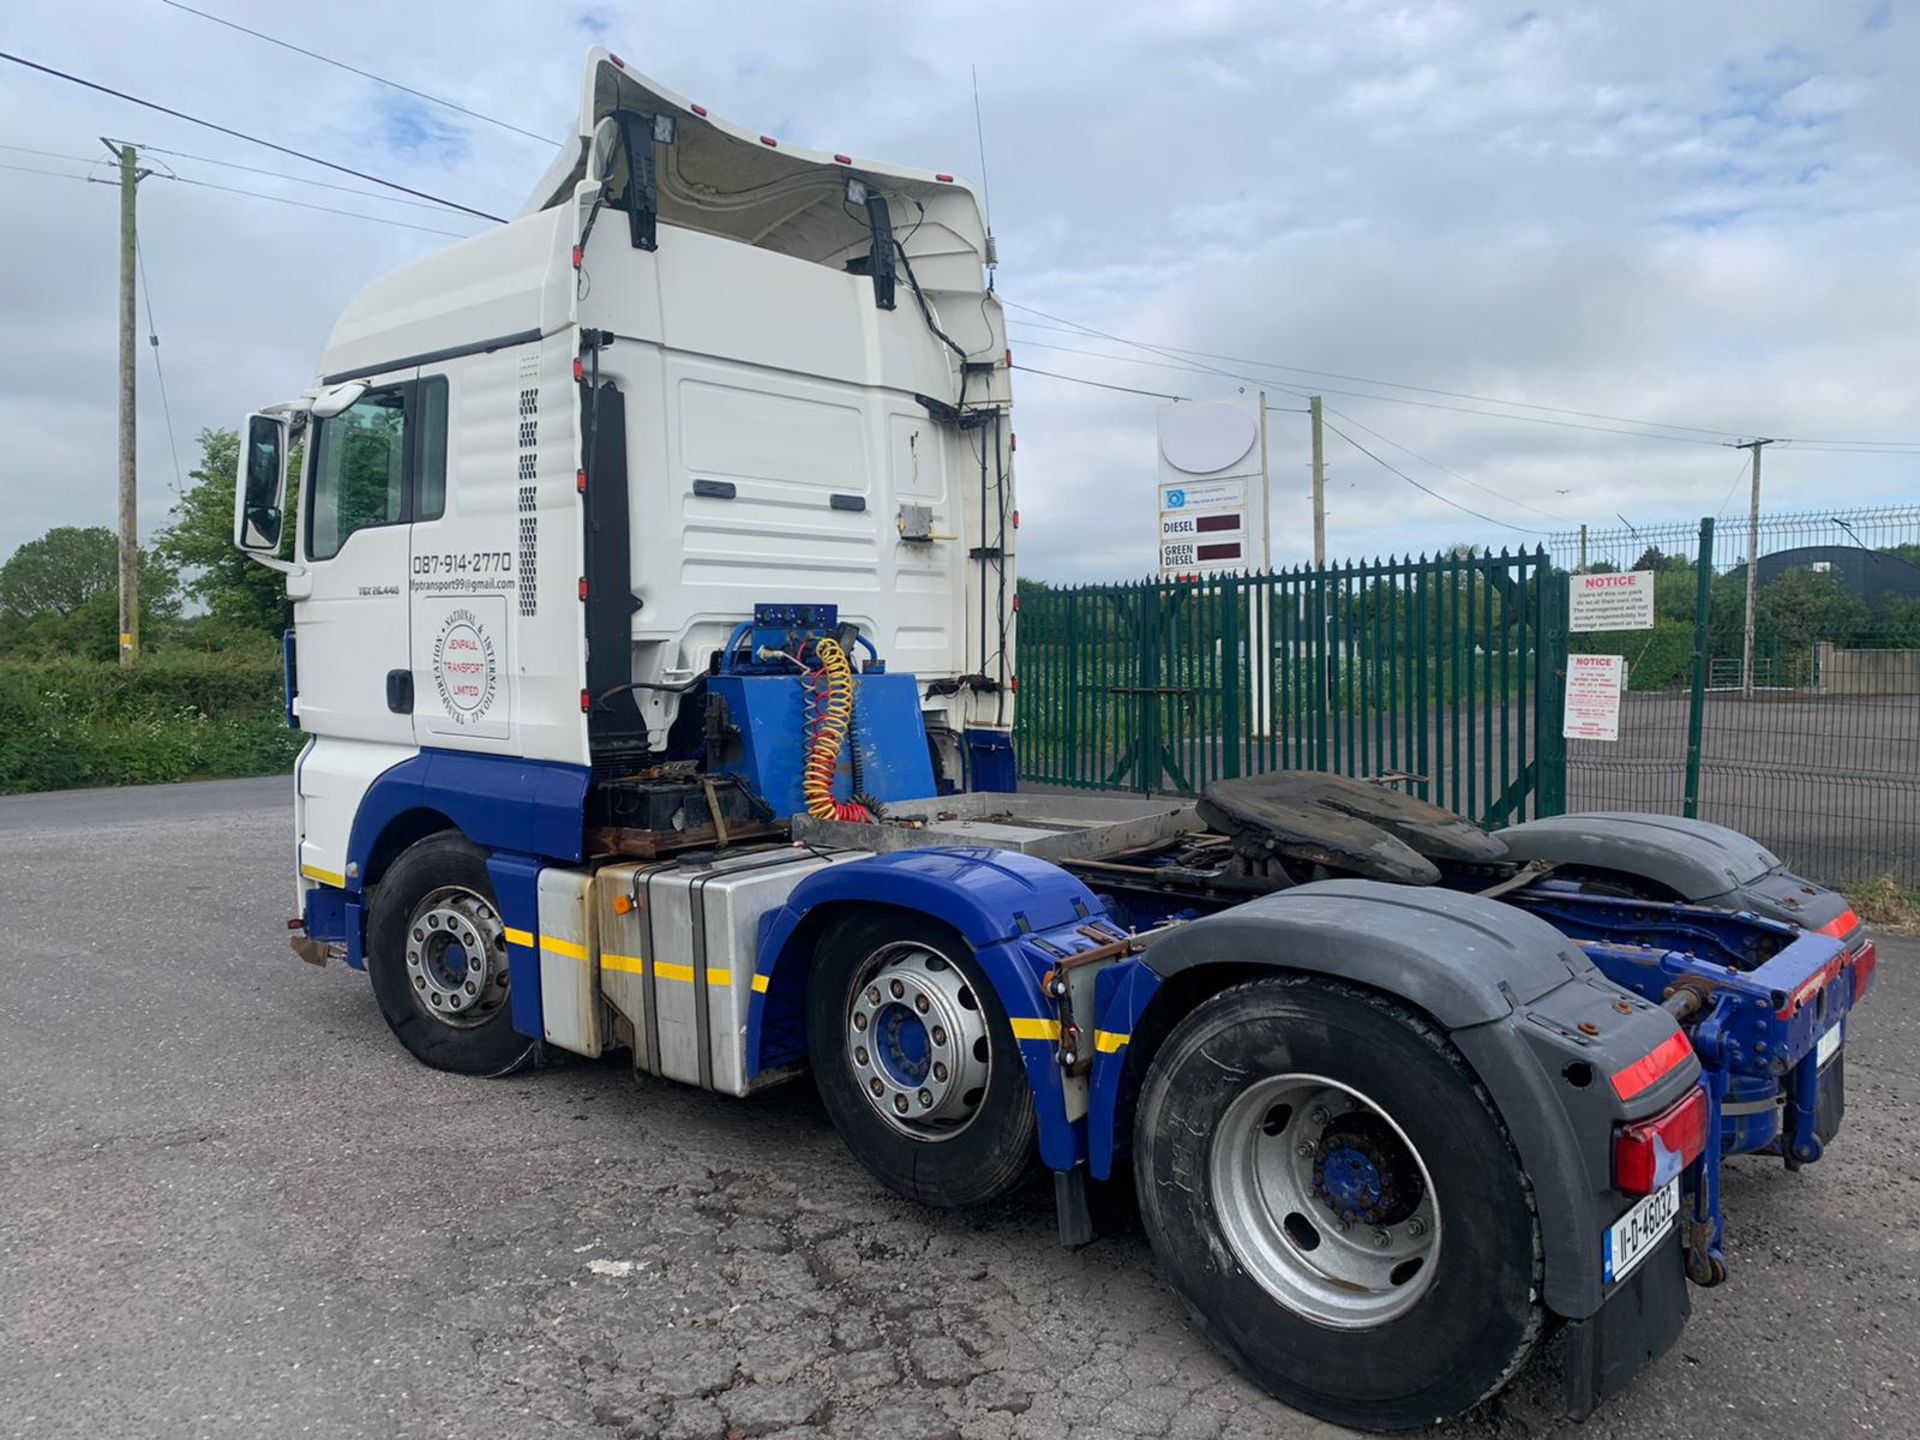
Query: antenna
[986,190]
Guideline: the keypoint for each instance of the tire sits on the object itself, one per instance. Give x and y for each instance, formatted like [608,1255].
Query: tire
[982,1138]
[1308,1308]
[434,908]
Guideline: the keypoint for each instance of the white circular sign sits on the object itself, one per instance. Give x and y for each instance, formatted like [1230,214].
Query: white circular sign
[1206,436]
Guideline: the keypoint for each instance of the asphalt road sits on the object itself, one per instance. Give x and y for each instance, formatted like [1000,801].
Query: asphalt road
[230,1205]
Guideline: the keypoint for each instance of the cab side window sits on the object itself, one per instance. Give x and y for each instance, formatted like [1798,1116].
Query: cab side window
[359,471]
[381,461]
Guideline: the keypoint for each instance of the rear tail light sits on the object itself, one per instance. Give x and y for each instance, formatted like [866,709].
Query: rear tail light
[1649,1153]
[1864,962]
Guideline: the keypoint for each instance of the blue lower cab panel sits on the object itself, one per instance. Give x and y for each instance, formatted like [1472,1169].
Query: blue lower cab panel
[990,759]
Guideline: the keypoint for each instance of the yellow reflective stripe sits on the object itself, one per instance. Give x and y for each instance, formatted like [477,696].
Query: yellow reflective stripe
[630,964]
[760,983]
[325,877]
[719,977]
[1107,1042]
[519,937]
[1027,1028]
[666,970]
[571,949]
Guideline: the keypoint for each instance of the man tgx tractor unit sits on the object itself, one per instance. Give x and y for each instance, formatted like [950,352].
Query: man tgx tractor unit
[653,589]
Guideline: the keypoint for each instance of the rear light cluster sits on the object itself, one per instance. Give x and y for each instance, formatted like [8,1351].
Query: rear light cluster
[1649,1153]
[1863,962]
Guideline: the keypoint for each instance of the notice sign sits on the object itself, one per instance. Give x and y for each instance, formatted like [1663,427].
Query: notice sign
[1594,683]
[1610,602]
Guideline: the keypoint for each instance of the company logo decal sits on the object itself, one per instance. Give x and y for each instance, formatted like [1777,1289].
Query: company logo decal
[464,667]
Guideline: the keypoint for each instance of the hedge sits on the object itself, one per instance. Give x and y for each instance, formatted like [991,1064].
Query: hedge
[177,715]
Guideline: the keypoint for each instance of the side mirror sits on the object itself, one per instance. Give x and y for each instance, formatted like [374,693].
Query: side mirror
[260,488]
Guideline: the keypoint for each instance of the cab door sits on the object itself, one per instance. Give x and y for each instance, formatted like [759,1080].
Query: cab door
[352,631]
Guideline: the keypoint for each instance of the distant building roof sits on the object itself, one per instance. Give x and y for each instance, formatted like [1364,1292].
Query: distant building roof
[1869,574]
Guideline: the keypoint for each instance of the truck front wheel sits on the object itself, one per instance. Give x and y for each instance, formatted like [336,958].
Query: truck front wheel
[916,1061]
[1334,1198]
[437,956]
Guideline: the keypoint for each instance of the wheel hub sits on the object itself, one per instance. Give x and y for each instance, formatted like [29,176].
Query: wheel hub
[1364,1174]
[457,957]
[1324,1201]
[917,1042]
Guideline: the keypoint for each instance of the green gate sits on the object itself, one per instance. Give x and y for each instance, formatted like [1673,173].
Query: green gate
[1427,671]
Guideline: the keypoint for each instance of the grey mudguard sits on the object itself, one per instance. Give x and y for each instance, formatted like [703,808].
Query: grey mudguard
[1696,859]
[1461,959]
[1542,1029]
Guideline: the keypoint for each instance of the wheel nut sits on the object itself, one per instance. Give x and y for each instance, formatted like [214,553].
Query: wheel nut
[939,1071]
[939,1035]
[926,1099]
[1318,1115]
[898,990]
[873,994]
[860,1020]
[1304,1150]
[1416,1227]
[876,1087]
[900,1103]
[860,1055]
[920,1004]
[1382,1239]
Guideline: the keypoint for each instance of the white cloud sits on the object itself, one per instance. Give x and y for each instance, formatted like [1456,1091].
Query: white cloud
[1698,214]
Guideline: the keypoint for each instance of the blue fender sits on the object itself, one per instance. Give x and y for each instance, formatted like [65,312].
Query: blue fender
[500,802]
[1016,912]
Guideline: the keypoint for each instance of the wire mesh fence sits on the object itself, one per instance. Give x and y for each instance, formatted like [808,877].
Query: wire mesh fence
[1807,738]
[1448,671]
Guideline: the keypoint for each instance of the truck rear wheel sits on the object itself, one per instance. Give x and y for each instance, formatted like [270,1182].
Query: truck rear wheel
[916,1062]
[1337,1203]
[437,956]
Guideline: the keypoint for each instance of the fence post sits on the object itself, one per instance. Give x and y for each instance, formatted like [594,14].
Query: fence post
[1697,700]
[1550,792]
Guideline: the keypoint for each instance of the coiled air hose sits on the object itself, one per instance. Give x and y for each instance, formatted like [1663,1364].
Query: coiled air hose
[831,719]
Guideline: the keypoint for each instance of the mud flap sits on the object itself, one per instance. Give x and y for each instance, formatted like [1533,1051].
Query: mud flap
[1636,1326]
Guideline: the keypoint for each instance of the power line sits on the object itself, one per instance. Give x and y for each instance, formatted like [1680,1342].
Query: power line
[309,205]
[1521,504]
[250,139]
[1426,490]
[1099,384]
[253,194]
[55,155]
[1463,479]
[1074,327]
[153,338]
[36,170]
[281,175]
[364,74]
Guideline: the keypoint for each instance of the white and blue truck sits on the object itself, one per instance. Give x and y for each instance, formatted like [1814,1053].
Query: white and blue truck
[652,577]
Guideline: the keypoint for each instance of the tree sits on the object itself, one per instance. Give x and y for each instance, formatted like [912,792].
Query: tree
[60,594]
[236,591]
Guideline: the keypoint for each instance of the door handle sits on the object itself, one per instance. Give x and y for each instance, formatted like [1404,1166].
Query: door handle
[400,691]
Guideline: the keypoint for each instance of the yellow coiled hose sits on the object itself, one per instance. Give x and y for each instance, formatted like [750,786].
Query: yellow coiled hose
[831,720]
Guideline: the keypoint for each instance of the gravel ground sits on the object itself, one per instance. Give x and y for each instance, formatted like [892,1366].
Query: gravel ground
[230,1205]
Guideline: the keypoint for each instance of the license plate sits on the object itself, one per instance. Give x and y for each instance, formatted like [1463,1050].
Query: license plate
[1828,1045]
[1638,1233]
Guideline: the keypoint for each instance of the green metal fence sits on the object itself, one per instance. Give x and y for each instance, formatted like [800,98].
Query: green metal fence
[1427,670]
[1814,749]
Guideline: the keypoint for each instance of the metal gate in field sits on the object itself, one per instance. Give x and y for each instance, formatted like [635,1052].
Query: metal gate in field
[1427,671]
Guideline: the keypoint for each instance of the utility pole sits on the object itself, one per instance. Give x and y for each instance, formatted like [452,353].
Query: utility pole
[1583,548]
[130,177]
[1319,487]
[1753,569]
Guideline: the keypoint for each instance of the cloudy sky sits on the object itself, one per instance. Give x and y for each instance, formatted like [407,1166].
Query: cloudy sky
[1702,215]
